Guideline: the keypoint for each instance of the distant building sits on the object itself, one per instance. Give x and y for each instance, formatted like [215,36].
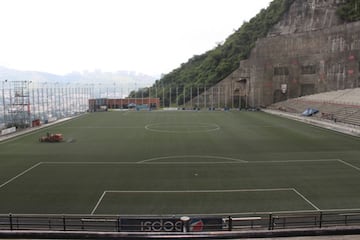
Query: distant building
[103,104]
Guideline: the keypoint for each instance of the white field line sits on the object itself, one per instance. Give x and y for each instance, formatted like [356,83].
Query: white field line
[135,163]
[349,164]
[9,138]
[89,163]
[211,127]
[297,161]
[202,191]
[35,130]
[307,200]
[189,163]
[301,211]
[234,161]
[231,161]
[208,191]
[103,127]
[98,203]
[195,191]
[314,160]
[193,156]
[20,174]
[233,213]
[12,137]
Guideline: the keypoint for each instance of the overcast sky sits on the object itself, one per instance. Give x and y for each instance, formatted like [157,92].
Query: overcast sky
[148,36]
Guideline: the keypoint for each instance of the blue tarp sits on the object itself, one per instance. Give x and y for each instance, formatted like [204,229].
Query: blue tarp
[309,112]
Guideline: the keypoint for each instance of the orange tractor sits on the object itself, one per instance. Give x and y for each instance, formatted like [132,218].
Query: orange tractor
[52,137]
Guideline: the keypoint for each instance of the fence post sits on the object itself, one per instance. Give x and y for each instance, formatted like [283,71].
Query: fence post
[11,221]
[64,223]
[320,220]
[118,223]
[270,222]
[230,223]
[345,221]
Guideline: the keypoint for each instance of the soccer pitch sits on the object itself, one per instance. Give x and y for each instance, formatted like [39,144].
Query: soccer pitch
[165,163]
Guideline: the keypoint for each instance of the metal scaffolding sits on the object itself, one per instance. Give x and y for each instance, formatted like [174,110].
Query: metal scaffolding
[24,103]
[17,106]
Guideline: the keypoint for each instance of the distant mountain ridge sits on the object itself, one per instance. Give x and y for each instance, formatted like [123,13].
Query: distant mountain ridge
[17,75]
[124,79]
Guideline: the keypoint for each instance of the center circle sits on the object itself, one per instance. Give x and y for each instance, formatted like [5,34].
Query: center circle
[182,127]
[188,159]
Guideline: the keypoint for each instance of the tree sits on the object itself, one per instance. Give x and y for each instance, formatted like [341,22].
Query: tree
[214,65]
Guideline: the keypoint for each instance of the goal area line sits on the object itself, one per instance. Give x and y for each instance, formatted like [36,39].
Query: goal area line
[220,191]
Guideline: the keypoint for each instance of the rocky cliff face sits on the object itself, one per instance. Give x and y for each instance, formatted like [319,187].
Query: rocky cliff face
[308,15]
[309,51]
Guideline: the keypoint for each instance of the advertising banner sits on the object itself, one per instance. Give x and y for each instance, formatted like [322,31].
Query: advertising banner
[170,224]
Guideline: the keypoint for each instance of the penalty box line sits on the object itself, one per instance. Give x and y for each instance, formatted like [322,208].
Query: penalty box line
[106,163]
[20,174]
[207,191]
[144,162]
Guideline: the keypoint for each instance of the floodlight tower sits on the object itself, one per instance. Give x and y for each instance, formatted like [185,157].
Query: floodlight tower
[19,110]
[3,102]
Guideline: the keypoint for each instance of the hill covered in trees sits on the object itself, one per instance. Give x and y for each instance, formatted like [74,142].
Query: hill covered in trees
[350,11]
[214,65]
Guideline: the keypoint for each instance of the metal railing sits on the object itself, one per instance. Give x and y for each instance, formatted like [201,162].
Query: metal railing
[254,222]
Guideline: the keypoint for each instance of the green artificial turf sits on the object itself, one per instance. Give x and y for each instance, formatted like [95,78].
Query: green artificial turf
[180,163]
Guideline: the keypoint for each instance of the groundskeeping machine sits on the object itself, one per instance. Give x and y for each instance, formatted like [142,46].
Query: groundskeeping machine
[52,137]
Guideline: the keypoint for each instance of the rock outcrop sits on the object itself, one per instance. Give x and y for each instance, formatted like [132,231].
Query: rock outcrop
[310,50]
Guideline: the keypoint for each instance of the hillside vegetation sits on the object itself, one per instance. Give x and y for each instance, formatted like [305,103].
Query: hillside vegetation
[214,65]
[350,11]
